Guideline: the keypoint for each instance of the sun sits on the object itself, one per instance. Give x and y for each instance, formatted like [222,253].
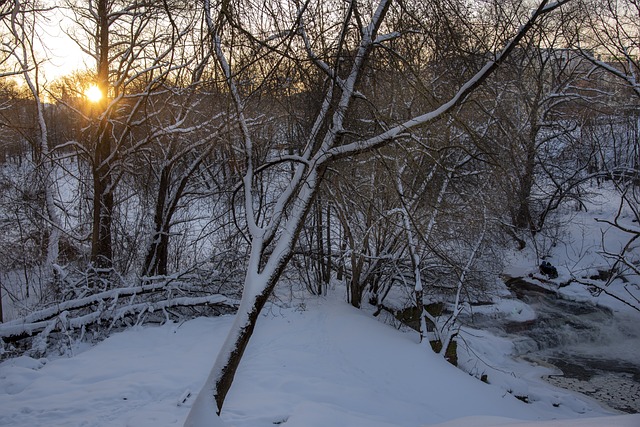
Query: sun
[93,93]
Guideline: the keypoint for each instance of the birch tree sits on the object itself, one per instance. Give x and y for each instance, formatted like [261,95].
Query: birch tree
[358,32]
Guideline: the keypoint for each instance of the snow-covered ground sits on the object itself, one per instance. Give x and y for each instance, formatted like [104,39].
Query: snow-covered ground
[321,363]
[600,360]
[577,246]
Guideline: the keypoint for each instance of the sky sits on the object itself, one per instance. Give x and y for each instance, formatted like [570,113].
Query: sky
[65,56]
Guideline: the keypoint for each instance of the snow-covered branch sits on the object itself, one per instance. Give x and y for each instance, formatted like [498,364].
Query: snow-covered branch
[460,96]
[113,307]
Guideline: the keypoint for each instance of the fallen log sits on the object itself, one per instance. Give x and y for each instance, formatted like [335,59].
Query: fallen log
[102,312]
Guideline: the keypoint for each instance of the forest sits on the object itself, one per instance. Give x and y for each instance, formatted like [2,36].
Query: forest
[215,157]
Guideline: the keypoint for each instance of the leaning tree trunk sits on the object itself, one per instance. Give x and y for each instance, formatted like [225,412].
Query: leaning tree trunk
[258,286]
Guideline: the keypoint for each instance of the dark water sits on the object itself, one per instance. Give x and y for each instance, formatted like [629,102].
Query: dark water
[597,352]
[613,382]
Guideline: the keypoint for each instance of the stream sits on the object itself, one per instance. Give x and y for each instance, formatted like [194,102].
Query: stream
[598,353]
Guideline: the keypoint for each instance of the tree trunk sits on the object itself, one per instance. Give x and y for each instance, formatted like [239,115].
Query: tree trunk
[523,218]
[157,259]
[328,264]
[157,256]
[258,286]
[221,377]
[244,324]
[263,272]
[355,288]
[22,31]
[101,242]
[320,264]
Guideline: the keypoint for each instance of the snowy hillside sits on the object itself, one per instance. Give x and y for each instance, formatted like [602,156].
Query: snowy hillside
[375,188]
[318,364]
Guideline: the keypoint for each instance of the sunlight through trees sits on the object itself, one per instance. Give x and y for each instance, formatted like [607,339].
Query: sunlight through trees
[225,149]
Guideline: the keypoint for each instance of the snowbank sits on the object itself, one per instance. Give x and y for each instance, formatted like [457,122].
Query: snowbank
[327,365]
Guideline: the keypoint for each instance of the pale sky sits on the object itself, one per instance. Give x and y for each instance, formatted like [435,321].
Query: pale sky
[64,55]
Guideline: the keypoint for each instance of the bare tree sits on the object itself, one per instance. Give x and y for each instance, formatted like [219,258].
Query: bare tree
[274,230]
[23,29]
[174,163]
[140,50]
[608,37]
[371,241]
[624,262]
[534,109]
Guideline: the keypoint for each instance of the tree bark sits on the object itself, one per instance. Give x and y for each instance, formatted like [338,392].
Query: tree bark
[328,264]
[258,286]
[157,255]
[101,242]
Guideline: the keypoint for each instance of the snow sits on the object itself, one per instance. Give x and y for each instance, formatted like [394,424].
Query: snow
[619,421]
[512,309]
[576,250]
[318,364]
